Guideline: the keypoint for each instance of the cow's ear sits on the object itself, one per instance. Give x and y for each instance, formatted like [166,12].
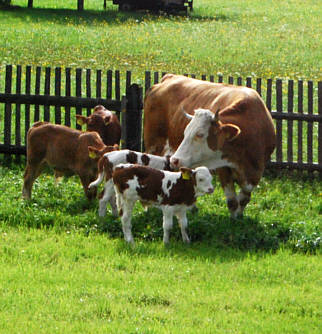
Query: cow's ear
[230,131]
[93,152]
[107,119]
[186,173]
[81,120]
[116,147]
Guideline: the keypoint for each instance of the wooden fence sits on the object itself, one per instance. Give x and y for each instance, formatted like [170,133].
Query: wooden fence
[296,107]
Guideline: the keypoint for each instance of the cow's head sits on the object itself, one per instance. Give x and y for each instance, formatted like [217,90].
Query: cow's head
[204,135]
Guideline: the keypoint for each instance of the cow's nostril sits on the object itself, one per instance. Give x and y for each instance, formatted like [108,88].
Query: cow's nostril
[175,162]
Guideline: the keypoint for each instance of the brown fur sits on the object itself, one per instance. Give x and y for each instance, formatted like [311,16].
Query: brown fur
[64,149]
[105,123]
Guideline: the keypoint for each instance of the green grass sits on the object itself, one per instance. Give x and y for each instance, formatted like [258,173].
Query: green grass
[247,38]
[71,283]
[284,210]
[63,271]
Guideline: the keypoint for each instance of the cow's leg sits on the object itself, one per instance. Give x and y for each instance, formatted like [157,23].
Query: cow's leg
[183,223]
[167,224]
[32,171]
[108,196]
[85,180]
[247,182]
[227,183]
[127,207]
[244,198]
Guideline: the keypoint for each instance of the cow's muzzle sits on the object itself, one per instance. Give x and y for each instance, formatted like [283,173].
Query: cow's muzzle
[174,162]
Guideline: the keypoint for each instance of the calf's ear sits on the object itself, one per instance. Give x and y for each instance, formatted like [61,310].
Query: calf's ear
[107,119]
[186,173]
[116,147]
[81,120]
[93,152]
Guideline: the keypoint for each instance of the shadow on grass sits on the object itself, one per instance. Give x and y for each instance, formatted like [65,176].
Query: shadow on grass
[211,236]
[109,16]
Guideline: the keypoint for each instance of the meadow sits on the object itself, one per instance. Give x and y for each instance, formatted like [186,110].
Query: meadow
[246,38]
[65,271]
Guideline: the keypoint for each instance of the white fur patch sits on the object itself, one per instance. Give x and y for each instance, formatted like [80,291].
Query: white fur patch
[173,178]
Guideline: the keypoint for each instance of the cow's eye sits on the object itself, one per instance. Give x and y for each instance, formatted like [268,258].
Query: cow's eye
[199,135]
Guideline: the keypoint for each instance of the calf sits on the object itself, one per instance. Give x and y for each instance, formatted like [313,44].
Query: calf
[106,165]
[104,122]
[64,149]
[173,192]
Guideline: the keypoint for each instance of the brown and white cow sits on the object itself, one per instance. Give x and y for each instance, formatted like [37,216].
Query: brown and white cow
[173,192]
[110,160]
[66,150]
[104,122]
[224,127]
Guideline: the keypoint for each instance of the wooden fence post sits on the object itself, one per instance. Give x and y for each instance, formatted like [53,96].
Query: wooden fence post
[133,118]
[320,124]
[80,4]
[8,111]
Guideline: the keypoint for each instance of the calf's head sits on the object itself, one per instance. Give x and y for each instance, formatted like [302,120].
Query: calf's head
[100,118]
[96,154]
[203,136]
[201,177]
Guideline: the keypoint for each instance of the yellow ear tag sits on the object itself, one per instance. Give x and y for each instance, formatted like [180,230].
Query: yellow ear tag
[185,175]
[79,121]
[92,155]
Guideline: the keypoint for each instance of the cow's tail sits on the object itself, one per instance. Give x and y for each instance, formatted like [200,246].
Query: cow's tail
[101,174]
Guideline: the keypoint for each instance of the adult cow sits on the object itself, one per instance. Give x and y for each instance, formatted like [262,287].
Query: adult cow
[103,121]
[224,127]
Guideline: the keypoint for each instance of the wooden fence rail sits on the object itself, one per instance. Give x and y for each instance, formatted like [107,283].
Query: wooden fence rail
[58,95]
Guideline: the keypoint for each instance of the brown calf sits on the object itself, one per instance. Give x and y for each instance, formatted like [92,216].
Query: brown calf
[66,150]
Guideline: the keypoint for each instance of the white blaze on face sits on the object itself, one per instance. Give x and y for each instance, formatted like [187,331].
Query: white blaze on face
[203,181]
[194,149]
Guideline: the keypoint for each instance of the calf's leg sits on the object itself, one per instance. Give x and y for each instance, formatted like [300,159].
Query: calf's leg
[85,180]
[108,196]
[127,207]
[32,171]
[183,223]
[167,224]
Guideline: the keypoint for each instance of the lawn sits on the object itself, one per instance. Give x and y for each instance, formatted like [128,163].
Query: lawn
[248,38]
[65,271]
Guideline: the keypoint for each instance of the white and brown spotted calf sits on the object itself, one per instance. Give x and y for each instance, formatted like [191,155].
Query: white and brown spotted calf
[110,160]
[173,192]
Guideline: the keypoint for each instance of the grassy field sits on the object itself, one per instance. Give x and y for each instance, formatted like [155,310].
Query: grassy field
[248,38]
[64,271]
